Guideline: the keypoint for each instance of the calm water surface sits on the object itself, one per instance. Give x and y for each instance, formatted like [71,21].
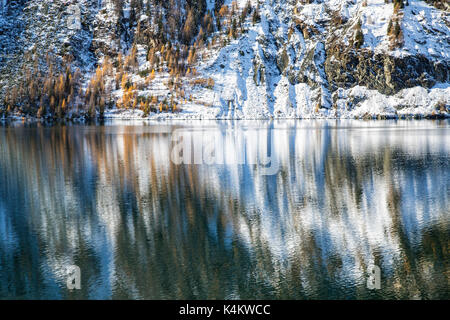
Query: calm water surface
[110,200]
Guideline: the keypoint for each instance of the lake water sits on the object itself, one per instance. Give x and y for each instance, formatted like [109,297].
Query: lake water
[115,200]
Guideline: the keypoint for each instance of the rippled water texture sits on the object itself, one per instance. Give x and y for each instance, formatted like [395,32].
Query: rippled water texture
[110,200]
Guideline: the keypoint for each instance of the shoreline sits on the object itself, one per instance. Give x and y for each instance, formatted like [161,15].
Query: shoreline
[163,118]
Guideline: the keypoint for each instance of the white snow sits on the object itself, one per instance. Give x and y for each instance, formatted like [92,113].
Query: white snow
[248,83]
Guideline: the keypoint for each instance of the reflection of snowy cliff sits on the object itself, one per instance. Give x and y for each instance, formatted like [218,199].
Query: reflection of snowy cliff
[109,199]
[346,188]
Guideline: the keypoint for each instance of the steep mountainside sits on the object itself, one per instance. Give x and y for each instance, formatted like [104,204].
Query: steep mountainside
[222,59]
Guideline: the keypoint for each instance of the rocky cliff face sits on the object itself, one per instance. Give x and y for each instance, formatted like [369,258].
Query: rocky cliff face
[382,72]
[274,58]
[413,56]
[37,29]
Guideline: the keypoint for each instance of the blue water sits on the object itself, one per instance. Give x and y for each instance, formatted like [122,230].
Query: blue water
[111,199]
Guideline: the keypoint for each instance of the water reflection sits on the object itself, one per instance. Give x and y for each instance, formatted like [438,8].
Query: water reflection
[109,200]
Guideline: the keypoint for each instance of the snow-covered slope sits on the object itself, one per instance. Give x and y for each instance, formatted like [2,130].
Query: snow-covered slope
[305,85]
[303,59]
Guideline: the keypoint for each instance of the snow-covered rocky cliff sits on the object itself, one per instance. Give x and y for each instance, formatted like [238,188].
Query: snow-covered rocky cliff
[242,59]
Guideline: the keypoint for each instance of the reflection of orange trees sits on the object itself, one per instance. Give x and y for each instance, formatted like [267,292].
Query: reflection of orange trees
[263,265]
[165,214]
